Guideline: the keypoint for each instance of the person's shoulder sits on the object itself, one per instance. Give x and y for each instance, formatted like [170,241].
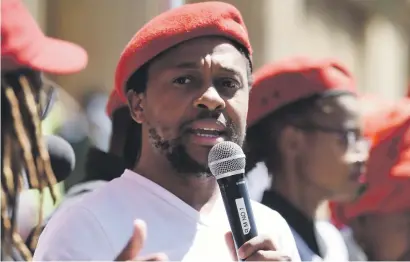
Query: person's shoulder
[332,239]
[329,233]
[327,229]
[354,250]
[82,227]
[75,233]
[270,222]
[104,195]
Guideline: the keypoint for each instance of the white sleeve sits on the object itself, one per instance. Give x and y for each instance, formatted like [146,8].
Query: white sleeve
[73,234]
[332,241]
[272,223]
[287,243]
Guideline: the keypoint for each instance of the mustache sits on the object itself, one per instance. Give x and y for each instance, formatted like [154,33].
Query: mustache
[231,130]
[205,114]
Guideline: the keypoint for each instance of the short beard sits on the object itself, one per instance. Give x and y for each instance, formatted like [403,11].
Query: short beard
[179,158]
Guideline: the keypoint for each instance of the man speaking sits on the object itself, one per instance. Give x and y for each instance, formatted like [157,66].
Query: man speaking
[186,75]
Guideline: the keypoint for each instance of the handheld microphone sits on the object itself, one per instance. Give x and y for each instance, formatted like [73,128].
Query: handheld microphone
[62,157]
[226,161]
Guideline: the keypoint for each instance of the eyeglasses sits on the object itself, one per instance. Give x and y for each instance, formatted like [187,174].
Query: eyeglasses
[350,139]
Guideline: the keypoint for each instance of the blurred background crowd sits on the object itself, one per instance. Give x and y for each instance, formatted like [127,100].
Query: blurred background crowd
[370,37]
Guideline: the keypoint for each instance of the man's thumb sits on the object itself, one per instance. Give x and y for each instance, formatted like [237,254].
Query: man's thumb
[135,243]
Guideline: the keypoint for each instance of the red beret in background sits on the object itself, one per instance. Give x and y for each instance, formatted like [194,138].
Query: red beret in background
[286,81]
[23,44]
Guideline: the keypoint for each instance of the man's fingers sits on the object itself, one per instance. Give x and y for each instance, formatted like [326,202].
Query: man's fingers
[231,245]
[256,244]
[135,243]
[262,255]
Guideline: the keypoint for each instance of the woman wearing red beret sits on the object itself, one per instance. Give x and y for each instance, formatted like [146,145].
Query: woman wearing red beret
[304,125]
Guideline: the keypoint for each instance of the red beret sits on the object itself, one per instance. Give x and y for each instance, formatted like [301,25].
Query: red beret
[175,26]
[114,103]
[388,166]
[281,83]
[23,44]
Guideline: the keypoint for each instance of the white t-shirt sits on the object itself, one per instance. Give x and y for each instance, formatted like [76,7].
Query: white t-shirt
[258,180]
[330,241]
[99,226]
[355,251]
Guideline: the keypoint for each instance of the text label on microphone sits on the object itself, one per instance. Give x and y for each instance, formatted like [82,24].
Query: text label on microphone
[243,215]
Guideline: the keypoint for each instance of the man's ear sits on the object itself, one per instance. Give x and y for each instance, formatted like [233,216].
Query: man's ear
[135,101]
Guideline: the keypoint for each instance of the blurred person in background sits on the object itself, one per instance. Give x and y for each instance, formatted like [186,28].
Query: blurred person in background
[68,121]
[99,124]
[26,99]
[74,127]
[185,73]
[258,181]
[304,125]
[379,220]
[127,144]
[102,165]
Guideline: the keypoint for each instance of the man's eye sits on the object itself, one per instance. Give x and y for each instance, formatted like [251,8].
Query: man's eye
[230,83]
[184,80]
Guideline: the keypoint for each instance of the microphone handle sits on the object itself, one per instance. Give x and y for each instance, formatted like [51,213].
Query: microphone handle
[238,207]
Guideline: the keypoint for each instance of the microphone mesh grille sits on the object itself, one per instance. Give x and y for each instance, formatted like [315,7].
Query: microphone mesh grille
[225,159]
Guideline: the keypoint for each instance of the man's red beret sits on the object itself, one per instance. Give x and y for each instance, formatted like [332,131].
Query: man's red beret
[175,26]
[281,83]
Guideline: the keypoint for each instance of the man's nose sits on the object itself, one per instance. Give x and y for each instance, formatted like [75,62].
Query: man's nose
[210,100]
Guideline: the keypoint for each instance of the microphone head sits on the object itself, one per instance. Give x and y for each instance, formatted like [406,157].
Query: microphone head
[62,156]
[226,159]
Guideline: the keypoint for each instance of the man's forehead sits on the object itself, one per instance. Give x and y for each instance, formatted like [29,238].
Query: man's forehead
[196,51]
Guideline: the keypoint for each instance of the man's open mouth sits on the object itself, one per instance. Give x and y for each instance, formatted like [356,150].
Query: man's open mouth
[207,132]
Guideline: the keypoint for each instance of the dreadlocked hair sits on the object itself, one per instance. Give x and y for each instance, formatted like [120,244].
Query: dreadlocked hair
[262,139]
[23,154]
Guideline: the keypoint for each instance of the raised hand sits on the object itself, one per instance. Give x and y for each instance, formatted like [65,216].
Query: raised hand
[135,244]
